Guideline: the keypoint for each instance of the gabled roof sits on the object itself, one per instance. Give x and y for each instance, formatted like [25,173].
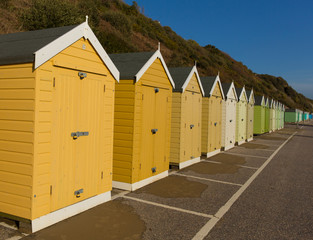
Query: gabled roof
[41,45]
[182,76]
[134,65]
[240,92]
[209,83]
[250,95]
[259,100]
[267,101]
[228,88]
[272,102]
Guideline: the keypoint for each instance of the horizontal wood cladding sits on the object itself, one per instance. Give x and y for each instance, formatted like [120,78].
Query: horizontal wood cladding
[176,127]
[17,106]
[123,130]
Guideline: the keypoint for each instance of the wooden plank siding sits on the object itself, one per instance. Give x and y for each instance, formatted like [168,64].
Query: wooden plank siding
[124,130]
[176,128]
[17,106]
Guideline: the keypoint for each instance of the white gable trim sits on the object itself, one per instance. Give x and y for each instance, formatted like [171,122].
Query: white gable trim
[217,81]
[83,30]
[231,90]
[145,67]
[251,97]
[193,70]
[263,101]
[243,91]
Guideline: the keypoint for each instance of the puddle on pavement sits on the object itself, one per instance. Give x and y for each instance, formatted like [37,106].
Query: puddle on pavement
[112,220]
[228,159]
[271,138]
[174,187]
[212,168]
[254,146]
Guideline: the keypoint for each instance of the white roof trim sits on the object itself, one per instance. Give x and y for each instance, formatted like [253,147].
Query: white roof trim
[193,70]
[243,91]
[145,67]
[217,80]
[232,89]
[83,30]
[252,94]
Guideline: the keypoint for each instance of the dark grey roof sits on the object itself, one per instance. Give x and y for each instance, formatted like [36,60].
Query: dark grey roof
[248,92]
[179,76]
[258,100]
[207,84]
[129,64]
[20,47]
[226,87]
[238,91]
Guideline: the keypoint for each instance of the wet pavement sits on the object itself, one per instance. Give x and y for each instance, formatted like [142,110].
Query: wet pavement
[182,205]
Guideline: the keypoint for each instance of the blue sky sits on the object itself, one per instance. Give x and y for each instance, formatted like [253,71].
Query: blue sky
[269,36]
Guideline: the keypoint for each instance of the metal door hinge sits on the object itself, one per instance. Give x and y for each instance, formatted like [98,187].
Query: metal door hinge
[53,84]
[76,135]
[78,192]
[50,189]
[142,96]
[104,88]
[102,175]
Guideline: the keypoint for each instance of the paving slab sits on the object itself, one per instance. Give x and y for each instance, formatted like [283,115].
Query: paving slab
[222,172]
[187,193]
[250,160]
[253,152]
[166,224]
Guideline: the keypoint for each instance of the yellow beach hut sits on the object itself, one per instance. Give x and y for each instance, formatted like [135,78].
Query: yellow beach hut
[229,116]
[241,114]
[142,120]
[211,116]
[186,117]
[56,120]
[250,115]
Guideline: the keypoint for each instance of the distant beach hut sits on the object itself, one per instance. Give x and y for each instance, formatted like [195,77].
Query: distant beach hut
[241,116]
[229,116]
[250,115]
[186,117]
[211,116]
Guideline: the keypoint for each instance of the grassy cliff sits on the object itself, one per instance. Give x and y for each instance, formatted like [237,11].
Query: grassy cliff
[122,28]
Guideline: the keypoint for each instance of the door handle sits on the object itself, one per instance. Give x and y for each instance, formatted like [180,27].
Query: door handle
[76,135]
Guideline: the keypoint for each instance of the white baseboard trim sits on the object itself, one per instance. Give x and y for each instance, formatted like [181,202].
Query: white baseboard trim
[210,154]
[188,162]
[67,212]
[241,142]
[250,139]
[229,147]
[140,184]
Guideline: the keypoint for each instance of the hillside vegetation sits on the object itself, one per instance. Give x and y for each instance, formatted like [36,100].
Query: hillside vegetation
[122,28]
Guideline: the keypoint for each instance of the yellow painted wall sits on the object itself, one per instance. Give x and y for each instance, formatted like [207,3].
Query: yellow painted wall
[51,103]
[137,112]
[241,121]
[186,111]
[17,115]
[212,122]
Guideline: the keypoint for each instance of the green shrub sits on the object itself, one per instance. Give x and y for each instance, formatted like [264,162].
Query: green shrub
[119,21]
[47,14]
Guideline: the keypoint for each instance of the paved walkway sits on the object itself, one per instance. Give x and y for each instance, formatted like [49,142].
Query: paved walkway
[243,193]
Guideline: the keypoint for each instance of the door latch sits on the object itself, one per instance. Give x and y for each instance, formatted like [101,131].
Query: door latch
[78,192]
[154,130]
[76,135]
[191,126]
[215,123]
[153,169]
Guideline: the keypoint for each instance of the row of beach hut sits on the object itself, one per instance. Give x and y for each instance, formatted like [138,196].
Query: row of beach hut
[74,121]
[296,116]
[268,115]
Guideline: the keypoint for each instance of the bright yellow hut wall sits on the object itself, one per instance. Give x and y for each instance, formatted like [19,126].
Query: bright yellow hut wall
[186,109]
[128,126]
[17,116]
[211,114]
[33,157]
